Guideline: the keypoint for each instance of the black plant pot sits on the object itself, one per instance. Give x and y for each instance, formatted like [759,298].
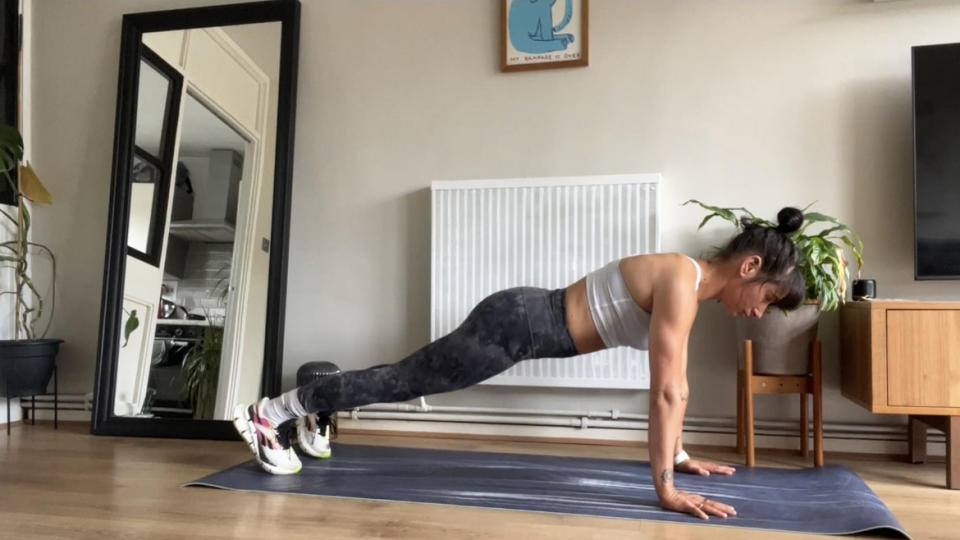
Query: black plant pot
[26,366]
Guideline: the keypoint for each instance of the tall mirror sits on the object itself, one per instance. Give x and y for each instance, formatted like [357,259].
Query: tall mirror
[194,284]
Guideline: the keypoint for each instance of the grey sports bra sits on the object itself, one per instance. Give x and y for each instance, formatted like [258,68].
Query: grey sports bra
[619,320]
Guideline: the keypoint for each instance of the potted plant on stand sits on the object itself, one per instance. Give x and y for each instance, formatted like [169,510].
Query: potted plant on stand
[781,340]
[28,361]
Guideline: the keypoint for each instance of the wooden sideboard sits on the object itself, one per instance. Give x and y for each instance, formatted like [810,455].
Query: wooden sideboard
[903,357]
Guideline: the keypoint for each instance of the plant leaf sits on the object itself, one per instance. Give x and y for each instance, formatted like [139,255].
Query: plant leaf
[725,213]
[11,147]
[711,216]
[853,248]
[132,323]
[825,232]
[53,285]
[31,187]
[25,219]
[816,217]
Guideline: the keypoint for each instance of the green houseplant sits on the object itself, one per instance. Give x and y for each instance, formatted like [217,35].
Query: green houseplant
[780,343]
[201,367]
[29,358]
[201,370]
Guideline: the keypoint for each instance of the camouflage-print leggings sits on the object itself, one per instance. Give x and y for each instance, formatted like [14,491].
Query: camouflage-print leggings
[504,328]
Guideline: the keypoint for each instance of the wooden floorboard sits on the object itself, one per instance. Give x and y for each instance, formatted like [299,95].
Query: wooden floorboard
[70,484]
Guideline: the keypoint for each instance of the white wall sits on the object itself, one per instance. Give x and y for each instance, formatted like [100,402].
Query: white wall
[752,103]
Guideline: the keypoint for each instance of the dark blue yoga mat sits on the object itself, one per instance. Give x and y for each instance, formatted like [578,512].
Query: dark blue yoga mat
[828,500]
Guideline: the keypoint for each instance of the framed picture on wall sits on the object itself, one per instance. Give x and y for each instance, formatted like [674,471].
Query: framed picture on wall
[542,34]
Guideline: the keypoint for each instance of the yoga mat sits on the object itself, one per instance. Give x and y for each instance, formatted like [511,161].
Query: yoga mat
[827,500]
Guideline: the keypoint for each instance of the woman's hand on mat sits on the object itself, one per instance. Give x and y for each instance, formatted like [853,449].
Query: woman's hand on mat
[696,505]
[703,468]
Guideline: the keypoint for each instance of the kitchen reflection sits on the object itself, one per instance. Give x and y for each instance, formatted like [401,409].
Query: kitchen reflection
[196,275]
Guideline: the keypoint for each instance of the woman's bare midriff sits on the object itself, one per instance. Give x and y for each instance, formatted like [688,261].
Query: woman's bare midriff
[579,322]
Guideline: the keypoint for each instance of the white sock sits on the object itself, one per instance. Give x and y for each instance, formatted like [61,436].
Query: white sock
[284,407]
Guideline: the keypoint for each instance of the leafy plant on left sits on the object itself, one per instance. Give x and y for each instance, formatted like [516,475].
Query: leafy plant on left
[29,304]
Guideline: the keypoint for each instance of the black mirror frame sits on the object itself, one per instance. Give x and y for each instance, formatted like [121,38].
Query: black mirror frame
[287,12]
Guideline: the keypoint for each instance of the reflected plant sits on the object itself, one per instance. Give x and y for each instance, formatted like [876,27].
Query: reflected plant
[128,328]
[201,367]
[201,370]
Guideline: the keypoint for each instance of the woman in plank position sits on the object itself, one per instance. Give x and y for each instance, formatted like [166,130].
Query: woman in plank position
[646,301]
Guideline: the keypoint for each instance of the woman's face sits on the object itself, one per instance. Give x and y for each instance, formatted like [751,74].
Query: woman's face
[750,299]
[747,298]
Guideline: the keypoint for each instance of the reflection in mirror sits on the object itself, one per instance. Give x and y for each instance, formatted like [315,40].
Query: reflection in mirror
[155,95]
[152,96]
[196,349]
[143,200]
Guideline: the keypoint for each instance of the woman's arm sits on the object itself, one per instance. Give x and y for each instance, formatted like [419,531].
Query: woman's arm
[674,308]
[684,395]
[690,465]
[673,312]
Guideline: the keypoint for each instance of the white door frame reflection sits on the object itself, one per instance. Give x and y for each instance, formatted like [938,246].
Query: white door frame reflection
[230,389]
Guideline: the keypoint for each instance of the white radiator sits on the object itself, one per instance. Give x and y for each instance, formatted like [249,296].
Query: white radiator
[489,235]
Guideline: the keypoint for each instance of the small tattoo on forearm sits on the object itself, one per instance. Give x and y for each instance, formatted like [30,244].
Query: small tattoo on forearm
[666,477]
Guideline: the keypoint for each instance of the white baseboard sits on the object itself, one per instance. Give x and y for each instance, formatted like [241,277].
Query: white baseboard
[714,432]
[72,408]
[16,413]
[64,415]
[888,445]
[45,416]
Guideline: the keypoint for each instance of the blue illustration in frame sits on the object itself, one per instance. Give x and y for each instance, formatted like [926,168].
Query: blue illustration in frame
[542,34]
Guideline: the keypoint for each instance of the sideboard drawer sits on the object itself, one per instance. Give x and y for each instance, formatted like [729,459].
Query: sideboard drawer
[923,358]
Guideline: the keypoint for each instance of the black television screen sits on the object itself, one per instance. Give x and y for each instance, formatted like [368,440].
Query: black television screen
[936,133]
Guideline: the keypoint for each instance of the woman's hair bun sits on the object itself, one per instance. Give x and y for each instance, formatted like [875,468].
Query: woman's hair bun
[790,219]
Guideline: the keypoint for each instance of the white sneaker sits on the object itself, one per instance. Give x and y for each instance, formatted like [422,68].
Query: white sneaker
[313,436]
[273,451]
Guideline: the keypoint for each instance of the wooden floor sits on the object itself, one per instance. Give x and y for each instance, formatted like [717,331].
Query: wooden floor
[70,484]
